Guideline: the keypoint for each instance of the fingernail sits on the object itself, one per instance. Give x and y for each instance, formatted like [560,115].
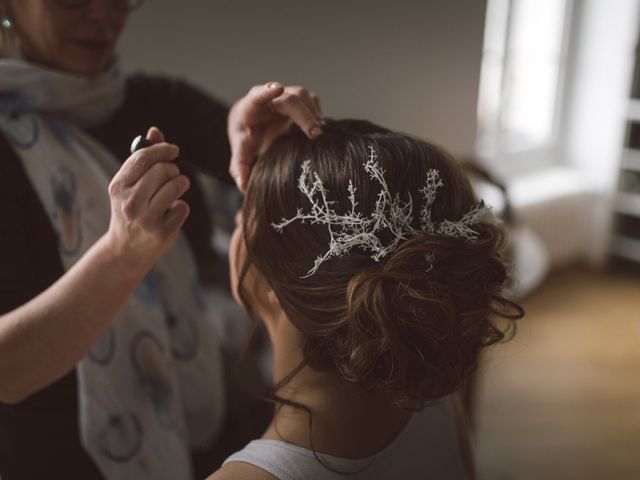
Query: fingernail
[274,85]
[315,131]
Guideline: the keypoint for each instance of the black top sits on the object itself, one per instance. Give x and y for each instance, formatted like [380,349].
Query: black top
[39,437]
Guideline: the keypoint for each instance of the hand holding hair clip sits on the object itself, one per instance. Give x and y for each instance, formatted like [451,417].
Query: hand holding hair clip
[140,142]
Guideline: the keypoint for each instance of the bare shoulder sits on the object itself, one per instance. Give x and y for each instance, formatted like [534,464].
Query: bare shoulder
[240,471]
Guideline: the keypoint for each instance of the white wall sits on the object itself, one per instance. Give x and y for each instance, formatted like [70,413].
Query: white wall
[410,65]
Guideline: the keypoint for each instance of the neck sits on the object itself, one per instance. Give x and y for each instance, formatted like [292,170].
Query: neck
[345,419]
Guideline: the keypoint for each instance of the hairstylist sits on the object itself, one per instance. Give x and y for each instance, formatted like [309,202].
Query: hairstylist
[107,367]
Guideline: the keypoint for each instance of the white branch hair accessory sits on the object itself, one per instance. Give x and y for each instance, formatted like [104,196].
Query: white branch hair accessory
[352,229]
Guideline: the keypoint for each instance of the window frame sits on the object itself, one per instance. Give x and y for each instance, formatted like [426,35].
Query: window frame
[512,162]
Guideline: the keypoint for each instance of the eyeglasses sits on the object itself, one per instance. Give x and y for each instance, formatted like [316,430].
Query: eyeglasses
[122,5]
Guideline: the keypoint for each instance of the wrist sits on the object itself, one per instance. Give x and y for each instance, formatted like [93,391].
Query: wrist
[131,266]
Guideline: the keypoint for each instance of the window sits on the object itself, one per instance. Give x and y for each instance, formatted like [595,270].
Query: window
[521,74]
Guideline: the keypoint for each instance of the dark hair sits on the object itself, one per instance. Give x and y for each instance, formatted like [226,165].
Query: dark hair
[406,327]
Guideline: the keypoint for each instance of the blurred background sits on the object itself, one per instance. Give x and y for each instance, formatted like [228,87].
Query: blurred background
[541,98]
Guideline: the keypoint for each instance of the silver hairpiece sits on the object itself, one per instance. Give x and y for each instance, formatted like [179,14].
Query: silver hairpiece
[352,229]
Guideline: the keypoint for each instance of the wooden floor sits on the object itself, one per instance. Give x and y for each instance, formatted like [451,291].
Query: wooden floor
[562,400]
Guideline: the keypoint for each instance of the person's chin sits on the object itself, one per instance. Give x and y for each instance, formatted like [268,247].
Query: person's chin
[89,62]
[87,69]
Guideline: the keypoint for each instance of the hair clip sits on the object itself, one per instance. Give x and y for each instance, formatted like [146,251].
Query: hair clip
[353,229]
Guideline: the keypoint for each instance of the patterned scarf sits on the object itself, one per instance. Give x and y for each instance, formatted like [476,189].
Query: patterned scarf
[151,388]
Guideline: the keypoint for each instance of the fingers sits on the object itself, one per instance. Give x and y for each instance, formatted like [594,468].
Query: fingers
[299,105]
[155,135]
[262,115]
[143,191]
[165,198]
[266,92]
[244,150]
[175,216]
[146,210]
[316,103]
[141,161]
[148,184]
[149,201]
[254,106]
[264,101]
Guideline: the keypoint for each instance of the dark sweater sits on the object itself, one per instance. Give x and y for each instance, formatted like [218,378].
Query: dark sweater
[39,437]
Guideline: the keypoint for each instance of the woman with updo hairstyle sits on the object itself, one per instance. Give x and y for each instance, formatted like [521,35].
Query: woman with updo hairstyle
[378,277]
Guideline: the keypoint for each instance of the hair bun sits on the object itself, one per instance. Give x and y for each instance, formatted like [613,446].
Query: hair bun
[410,326]
[417,324]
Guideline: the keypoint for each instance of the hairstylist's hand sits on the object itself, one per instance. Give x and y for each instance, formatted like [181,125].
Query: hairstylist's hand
[261,115]
[146,210]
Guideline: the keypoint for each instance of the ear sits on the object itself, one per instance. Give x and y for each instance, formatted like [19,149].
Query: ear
[272,298]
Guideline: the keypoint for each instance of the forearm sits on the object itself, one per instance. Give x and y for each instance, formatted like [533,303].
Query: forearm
[45,338]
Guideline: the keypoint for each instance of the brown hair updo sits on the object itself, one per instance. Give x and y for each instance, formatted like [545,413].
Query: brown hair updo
[410,326]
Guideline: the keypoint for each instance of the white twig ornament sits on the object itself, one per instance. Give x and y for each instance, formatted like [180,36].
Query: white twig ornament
[352,229]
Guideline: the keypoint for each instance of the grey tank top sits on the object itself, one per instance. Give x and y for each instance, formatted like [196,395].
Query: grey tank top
[427,448]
